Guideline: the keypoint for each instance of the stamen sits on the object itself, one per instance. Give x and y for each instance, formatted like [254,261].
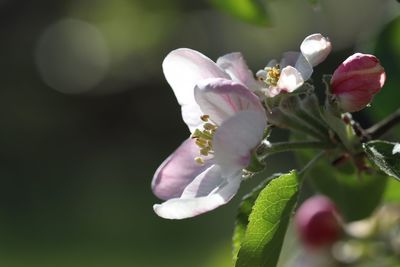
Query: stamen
[270,75]
[204,138]
[204,118]
[199,160]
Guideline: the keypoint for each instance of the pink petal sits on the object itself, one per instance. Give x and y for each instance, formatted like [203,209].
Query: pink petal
[315,48]
[290,79]
[221,99]
[236,138]
[236,67]
[181,208]
[177,171]
[184,68]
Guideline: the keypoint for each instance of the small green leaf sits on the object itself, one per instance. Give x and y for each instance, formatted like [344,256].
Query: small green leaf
[242,218]
[385,155]
[252,11]
[268,221]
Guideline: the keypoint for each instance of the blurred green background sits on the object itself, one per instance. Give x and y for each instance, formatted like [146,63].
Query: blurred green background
[87,117]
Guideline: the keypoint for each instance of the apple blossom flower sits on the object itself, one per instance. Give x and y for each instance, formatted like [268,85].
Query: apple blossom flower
[317,222]
[226,121]
[295,68]
[356,81]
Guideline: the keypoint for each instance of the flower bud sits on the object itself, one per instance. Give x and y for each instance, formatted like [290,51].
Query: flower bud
[315,48]
[356,81]
[317,222]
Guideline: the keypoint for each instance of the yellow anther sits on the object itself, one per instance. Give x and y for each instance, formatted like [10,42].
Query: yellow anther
[199,160]
[204,151]
[203,138]
[209,126]
[272,75]
[204,118]
[201,143]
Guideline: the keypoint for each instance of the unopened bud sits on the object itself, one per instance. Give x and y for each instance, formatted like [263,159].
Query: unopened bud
[317,222]
[315,48]
[356,81]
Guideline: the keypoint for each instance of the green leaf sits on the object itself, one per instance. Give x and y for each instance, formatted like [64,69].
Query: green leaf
[385,156]
[242,218]
[252,11]
[268,221]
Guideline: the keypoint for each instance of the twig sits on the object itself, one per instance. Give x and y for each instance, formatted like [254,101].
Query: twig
[383,126]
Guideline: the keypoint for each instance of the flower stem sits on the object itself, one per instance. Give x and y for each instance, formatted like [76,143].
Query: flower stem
[266,148]
[383,126]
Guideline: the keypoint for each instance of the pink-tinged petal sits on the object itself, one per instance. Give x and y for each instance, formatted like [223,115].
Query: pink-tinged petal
[290,79]
[360,66]
[271,91]
[235,139]
[177,171]
[184,68]
[181,208]
[236,67]
[221,99]
[315,48]
[354,101]
[299,62]
[204,183]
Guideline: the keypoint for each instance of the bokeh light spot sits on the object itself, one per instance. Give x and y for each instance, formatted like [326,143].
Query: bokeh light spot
[72,56]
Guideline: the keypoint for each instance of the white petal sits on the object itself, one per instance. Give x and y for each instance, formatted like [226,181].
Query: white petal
[184,68]
[236,138]
[236,67]
[177,171]
[222,98]
[290,79]
[181,208]
[204,183]
[315,48]
[289,59]
[299,62]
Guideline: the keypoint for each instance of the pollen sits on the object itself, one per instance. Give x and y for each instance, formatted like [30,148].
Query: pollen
[203,138]
[270,75]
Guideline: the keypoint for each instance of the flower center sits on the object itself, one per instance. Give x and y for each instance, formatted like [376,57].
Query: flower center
[204,138]
[270,75]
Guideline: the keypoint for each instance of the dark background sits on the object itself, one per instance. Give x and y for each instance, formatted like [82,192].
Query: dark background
[86,117]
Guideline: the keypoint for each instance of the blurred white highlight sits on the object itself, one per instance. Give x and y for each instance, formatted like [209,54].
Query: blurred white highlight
[72,56]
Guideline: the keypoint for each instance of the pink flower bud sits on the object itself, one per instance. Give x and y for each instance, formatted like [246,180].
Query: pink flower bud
[317,222]
[356,81]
